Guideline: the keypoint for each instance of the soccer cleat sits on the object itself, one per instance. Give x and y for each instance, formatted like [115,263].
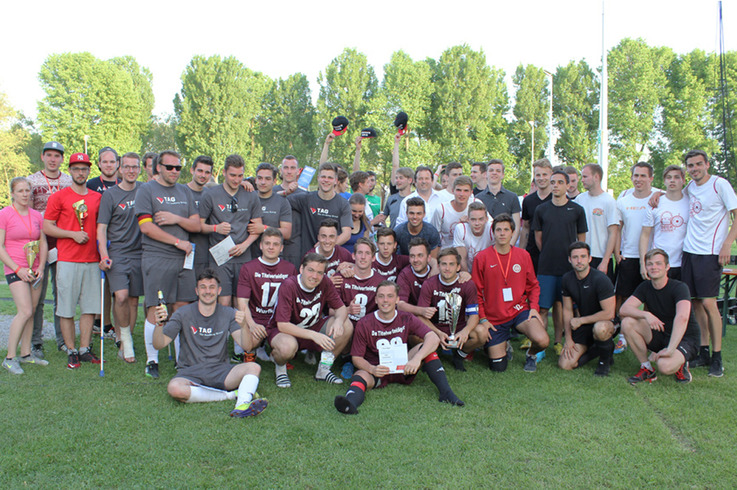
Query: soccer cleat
[621,345]
[344,406]
[38,351]
[73,362]
[89,357]
[152,370]
[602,369]
[458,361]
[510,352]
[255,407]
[330,378]
[236,359]
[282,381]
[249,357]
[683,375]
[530,364]
[525,344]
[13,366]
[716,369]
[32,359]
[558,348]
[644,374]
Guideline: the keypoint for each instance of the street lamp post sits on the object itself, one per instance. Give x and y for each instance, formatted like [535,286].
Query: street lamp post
[551,143]
[532,151]
[86,138]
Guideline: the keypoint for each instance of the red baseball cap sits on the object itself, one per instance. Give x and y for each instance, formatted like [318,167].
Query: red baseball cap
[79,158]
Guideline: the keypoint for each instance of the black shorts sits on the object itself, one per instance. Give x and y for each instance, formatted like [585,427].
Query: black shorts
[212,375]
[628,277]
[688,346]
[595,261]
[12,277]
[702,274]
[674,273]
[584,335]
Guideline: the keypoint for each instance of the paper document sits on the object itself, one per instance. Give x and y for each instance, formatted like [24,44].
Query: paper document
[189,259]
[392,354]
[219,252]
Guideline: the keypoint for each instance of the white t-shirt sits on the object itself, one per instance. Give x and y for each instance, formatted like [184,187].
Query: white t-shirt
[632,214]
[445,195]
[464,237]
[445,218]
[430,205]
[708,224]
[668,222]
[601,213]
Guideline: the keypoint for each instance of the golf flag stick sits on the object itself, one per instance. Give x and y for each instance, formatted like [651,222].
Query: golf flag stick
[102,330]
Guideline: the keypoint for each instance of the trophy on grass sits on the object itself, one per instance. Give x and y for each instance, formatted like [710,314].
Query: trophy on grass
[80,211]
[453,302]
[31,250]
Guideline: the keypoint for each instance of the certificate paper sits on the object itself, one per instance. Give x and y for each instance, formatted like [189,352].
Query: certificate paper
[219,252]
[189,259]
[392,354]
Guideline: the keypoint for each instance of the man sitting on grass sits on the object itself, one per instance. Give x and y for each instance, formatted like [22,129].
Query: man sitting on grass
[204,372]
[666,327]
[383,328]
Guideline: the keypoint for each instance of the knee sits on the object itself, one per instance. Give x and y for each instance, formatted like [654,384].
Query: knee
[603,330]
[253,368]
[178,390]
[284,346]
[566,364]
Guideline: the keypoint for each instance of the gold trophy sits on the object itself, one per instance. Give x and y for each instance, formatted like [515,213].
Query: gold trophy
[453,302]
[31,249]
[80,210]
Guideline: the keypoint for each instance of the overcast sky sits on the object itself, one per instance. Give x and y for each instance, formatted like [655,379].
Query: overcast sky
[285,37]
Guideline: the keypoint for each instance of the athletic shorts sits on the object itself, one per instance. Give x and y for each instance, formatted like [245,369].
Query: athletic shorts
[167,275]
[628,277]
[126,274]
[674,273]
[320,326]
[393,378]
[77,283]
[702,274]
[12,277]
[583,335]
[550,290]
[595,261]
[688,346]
[503,329]
[228,274]
[211,375]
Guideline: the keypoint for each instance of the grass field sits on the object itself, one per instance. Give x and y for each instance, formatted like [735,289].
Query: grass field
[552,428]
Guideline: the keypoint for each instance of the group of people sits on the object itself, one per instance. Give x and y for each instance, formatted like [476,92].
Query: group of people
[459,264]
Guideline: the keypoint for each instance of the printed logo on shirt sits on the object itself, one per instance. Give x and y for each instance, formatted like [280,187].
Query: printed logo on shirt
[194,329]
[696,206]
[598,212]
[668,222]
[517,268]
[169,200]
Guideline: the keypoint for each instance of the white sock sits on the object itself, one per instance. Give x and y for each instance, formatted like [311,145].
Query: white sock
[280,369]
[647,366]
[148,335]
[246,389]
[199,394]
[462,354]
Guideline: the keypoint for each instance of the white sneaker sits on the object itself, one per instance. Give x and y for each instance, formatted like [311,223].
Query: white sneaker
[32,359]
[12,365]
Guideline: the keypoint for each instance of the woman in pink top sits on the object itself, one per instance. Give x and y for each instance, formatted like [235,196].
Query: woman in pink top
[19,225]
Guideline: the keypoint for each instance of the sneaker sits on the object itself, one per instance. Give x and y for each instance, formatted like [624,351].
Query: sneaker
[716,369]
[38,351]
[255,407]
[643,374]
[344,406]
[702,360]
[348,370]
[683,375]
[525,344]
[558,347]
[249,357]
[458,361]
[602,369]
[73,362]
[109,332]
[152,370]
[510,352]
[13,366]
[32,359]
[530,364]
[329,378]
[540,356]
[237,359]
[621,345]
[89,357]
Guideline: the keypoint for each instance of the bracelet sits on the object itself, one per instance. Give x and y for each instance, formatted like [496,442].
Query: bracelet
[17,270]
[266,227]
[104,259]
[177,242]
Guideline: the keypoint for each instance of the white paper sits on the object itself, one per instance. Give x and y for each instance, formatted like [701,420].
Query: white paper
[51,257]
[507,294]
[219,252]
[189,259]
[392,354]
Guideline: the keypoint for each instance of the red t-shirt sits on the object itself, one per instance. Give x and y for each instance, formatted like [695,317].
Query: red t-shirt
[59,209]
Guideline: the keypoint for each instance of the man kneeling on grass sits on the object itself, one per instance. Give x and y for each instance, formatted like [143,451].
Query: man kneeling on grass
[388,330]
[205,373]
[667,328]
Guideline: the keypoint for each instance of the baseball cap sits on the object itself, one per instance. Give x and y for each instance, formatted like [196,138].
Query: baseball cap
[401,122]
[53,145]
[79,158]
[103,150]
[368,133]
[340,124]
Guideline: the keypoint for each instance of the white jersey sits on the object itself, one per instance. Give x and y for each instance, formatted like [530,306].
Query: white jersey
[631,213]
[601,213]
[430,205]
[445,195]
[464,237]
[445,218]
[708,223]
[668,222]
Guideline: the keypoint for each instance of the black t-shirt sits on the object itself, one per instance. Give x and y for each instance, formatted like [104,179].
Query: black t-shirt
[560,226]
[662,304]
[98,185]
[529,205]
[589,292]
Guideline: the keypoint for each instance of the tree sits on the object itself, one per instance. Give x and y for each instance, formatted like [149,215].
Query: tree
[101,99]
[12,142]
[217,110]
[160,136]
[576,114]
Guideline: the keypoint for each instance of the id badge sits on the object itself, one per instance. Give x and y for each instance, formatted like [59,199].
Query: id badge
[507,294]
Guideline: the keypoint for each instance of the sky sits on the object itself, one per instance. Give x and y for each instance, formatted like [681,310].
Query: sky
[285,37]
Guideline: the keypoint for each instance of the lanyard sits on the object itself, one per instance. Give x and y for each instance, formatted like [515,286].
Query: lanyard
[28,226]
[52,189]
[504,271]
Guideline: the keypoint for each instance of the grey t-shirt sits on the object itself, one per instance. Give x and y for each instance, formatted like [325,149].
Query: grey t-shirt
[153,197]
[274,209]
[217,206]
[117,210]
[200,240]
[293,246]
[202,340]
[314,210]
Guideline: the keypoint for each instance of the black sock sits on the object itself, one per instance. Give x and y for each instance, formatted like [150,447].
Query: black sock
[436,373]
[591,353]
[356,391]
[716,355]
[704,351]
[606,350]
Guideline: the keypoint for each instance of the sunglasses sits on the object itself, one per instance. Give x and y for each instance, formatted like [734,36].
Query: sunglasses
[178,168]
[234,205]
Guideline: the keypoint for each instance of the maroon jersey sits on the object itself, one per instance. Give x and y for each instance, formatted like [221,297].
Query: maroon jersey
[371,330]
[339,256]
[390,271]
[259,282]
[410,284]
[433,294]
[302,307]
[363,291]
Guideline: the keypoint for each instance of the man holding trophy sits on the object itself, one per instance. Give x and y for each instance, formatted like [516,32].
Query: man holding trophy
[71,217]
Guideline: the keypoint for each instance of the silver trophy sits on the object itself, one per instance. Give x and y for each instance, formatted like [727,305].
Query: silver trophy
[453,302]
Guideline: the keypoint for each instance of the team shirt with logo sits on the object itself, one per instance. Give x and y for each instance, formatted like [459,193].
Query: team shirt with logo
[587,293]
[60,209]
[117,210]
[153,197]
[274,210]
[372,330]
[217,206]
[560,226]
[293,247]
[390,271]
[410,284]
[529,205]
[668,222]
[304,307]
[433,294]
[260,282]
[463,237]
[601,213]
[200,241]
[632,212]
[708,225]
[99,185]
[336,258]
[445,218]
[362,291]
[313,210]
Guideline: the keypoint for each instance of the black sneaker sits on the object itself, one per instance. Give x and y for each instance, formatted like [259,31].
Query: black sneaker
[530,364]
[152,370]
[716,369]
[89,357]
[643,374]
[683,375]
[73,361]
[602,369]
[702,360]
[458,361]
